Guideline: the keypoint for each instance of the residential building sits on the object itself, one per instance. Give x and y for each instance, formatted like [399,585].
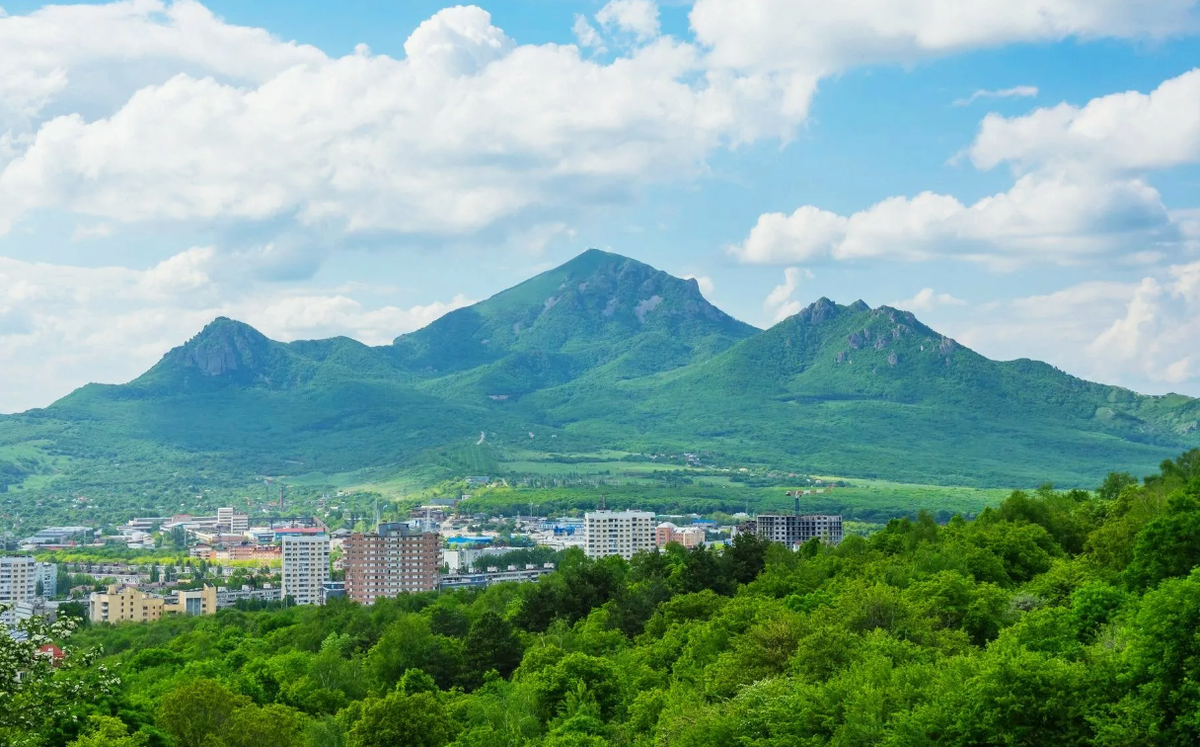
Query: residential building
[465,559]
[122,604]
[392,560]
[621,533]
[794,530]
[47,576]
[193,602]
[18,583]
[667,533]
[305,567]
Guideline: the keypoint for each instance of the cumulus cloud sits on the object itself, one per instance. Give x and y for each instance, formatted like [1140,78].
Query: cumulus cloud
[927,300]
[637,17]
[1081,192]
[63,326]
[814,35]
[1142,334]
[1003,93]
[782,301]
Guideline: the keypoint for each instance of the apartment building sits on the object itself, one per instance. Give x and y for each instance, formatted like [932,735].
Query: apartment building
[124,604]
[305,567]
[794,530]
[392,560]
[621,533]
[667,533]
[193,602]
[18,583]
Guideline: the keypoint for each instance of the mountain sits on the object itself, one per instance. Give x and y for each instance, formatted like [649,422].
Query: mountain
[603,352]
[874,392]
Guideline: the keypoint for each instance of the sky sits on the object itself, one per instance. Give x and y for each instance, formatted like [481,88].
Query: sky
[1024,176]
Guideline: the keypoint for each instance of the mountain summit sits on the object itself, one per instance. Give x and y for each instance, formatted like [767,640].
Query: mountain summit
[608,353]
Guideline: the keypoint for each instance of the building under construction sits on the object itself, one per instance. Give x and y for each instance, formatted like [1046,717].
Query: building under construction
[795,529]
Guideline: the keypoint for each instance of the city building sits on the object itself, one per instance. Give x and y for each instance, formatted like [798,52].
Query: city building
[390,561]
[794,530]
[231,522]
[494,576]
[122,604]
[621,533]
[465,559]
[667,533]
[193,602]
[305,567]
[333,590]
[18,583]
[62,536]
[47,577]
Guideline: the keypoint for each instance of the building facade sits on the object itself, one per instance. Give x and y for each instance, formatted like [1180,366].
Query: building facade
[689,537]
[621,533]
[193,602]
[18,583]
[794,530]
[305,567]
[47,576]
[124,604]
[392,560]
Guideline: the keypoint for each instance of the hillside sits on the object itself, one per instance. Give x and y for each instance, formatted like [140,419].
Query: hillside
[601,353]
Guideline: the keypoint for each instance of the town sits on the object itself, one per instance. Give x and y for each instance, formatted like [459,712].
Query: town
[227,561]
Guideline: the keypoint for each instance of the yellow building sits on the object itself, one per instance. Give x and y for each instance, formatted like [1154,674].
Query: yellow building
[194,602]
[121,604]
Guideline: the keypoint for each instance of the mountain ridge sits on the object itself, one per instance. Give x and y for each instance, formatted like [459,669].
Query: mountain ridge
[607,353]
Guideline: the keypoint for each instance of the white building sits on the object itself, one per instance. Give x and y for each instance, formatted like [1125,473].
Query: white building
[47,574]
[305,567]
[618,533]
[460,561]
[18,583]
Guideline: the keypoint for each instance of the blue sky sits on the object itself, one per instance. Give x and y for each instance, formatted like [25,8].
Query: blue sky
[161,164]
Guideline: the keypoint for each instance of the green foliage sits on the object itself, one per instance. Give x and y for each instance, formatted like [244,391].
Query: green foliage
[1017,628]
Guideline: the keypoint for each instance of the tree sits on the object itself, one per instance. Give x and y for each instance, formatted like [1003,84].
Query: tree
[272,725]
[492,643]
[195,710]
[106,731]
[38,694]
[411,720]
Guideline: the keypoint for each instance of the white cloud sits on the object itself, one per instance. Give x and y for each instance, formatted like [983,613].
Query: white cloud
[820,36]
[637,17]
[1143,334]
[1128,131]
[586,35]
[782,302]
[927,300]
[64,326]
[1080,193]
[1003,93]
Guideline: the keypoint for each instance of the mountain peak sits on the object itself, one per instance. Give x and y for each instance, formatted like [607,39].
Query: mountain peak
[224,347]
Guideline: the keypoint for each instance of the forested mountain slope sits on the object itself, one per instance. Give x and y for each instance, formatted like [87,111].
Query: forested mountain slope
[603,352]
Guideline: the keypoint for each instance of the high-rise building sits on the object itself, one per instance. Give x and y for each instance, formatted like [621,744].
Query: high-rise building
[392,560]
[225,520]
[621,533]
[18,583]
[305,567]
[121,604]
[47,576]
[794,530]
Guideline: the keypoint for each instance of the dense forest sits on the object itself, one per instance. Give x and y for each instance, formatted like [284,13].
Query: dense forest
[1054,618]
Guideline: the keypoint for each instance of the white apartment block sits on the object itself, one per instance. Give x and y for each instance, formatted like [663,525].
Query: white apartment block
[305,567]
[621,533]
[18,582]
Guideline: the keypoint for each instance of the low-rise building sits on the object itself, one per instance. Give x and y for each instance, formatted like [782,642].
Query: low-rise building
[689,537]
[192,602]
[123,604]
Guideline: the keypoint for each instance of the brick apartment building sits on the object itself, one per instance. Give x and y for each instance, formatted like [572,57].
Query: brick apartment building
[390,561]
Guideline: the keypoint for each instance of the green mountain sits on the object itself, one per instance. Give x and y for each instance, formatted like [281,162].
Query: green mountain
[601,353]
